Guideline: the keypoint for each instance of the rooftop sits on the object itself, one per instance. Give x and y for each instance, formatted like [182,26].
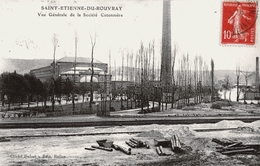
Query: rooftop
[78,59]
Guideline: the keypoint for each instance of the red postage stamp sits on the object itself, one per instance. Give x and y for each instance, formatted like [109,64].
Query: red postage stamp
[239,22]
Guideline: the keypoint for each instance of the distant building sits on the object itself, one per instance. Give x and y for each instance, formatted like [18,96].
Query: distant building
[67,68]
[242,85]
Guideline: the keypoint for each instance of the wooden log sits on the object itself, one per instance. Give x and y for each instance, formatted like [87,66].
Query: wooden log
[135,139]
[138,142]
[90,149]
[131,144]
[135,142]
[147,145]
[175,143]
[242,151]
[141,142]
[233,145]
[158,150]
[231,148]
[126,151]
[162,151]
[255,146]
[102,148]
[223,142]
[178,143]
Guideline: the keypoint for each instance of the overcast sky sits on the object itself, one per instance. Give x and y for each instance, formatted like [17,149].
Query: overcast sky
[196,28]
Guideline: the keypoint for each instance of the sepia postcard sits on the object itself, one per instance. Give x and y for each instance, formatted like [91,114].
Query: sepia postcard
[129,82]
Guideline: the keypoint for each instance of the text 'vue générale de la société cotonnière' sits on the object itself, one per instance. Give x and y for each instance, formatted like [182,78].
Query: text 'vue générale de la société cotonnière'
[101,8]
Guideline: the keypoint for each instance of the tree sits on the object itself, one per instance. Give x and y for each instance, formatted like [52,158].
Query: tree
[58,87]
[55,44]
[196,79]
[227,85]
[2,95]
[34,87]
[93,43]
[247,75]
[67,88]
[74,65]
[46,91]
[237,80]
[212,79]
[14,86]
[82,89]
[175,51]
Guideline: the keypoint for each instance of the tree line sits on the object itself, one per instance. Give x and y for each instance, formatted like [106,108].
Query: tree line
[18,88]
[192,80]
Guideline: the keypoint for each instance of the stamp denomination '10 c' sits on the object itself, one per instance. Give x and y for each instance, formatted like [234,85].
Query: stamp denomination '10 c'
[239,23]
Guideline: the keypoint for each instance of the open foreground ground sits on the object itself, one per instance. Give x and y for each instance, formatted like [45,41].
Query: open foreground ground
[52,147]
[66,146]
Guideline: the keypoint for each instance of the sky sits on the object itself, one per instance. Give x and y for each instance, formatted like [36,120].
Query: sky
[195,29]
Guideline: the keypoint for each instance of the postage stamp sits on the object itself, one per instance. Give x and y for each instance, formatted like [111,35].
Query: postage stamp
[239,22]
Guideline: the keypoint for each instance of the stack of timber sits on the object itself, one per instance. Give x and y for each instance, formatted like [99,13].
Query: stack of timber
[135,143]
[175,143]
[230,147]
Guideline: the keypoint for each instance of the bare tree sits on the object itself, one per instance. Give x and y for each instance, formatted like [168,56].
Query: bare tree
[74,65]
[247,75]
[196,79]
[93,43]
[122,79]
[227,85]
[175,51]
[55,44]
[200,78]
[110,81]
[212,79]
[238,80]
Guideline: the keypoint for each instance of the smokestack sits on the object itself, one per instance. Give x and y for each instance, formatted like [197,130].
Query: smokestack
[257,73]
[166,79]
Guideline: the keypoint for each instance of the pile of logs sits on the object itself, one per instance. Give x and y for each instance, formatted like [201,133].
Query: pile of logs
[174,143]
[135,143]
[160,151]
[230,147]
[110,149]
[106,145]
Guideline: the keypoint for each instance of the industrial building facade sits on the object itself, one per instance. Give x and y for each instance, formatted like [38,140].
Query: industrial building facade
[80,69]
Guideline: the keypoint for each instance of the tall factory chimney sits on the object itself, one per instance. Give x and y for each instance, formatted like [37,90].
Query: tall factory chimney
[257,73]
[166,45]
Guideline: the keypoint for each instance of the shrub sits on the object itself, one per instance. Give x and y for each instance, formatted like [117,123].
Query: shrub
[188,108]
[215,106]
[179,107]
[224,103]
[192,104]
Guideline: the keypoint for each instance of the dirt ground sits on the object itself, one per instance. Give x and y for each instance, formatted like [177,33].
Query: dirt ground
[37,147]
[66,146]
